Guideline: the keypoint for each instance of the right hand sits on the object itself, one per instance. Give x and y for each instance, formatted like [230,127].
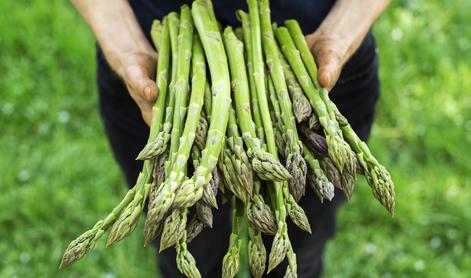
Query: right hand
[137,69]
[125,47]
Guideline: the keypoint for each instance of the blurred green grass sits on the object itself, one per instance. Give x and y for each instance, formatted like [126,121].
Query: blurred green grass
[58,174]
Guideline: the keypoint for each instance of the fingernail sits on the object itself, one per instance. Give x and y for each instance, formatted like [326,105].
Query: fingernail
[147,93]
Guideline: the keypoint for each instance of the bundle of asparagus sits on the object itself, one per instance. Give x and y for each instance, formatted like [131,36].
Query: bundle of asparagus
[281,132]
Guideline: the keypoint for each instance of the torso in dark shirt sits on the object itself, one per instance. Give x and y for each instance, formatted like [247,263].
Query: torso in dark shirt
[309,14]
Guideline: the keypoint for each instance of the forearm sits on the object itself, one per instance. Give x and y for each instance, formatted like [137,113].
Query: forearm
[350,20]
[107,18]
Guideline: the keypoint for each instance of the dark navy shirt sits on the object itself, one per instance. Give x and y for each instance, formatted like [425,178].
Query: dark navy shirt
[309,14]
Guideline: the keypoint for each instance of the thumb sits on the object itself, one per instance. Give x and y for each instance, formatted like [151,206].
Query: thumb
[330,66]
[140,84]
[142,89]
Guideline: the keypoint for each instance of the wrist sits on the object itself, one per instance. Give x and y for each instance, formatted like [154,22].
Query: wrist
[117,31]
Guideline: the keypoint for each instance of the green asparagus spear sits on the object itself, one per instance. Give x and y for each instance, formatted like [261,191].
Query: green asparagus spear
[126,214]
[186,264]
[257,253]
[262,162]
[308,60]
[194,228]
[300,42]
[173,229]
[291,270]
[207,99]
[180,147]
[321,185]
[377,176]
[275,113]
[86,241]
[260,216]
[192,190]
[295,163]
[301,107]
[161,133]
[280,242]
[339,151]
[257,117]
[230,262]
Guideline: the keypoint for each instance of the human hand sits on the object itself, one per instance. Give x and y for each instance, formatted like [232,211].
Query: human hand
[125,47]
[330,53]
[340,35]
[137,69]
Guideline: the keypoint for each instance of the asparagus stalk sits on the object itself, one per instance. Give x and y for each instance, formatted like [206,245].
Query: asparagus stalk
[377,176]
[210,190]
[314,123]
[192,190]
[207,99]
[86,241]
[262,162]
[260,216]
[160,34]
[203,209]
[129,218]
[173,229]
[280,242]
[300,42]
[295,163]
[126,214]
[257,117]
[161,132]
[315,142]
[296,212]
[186,264]
[230,262]
[257,253]
[193,229]
[204,213]
[301,107]
[197,224]
[156,33]
[308,60]
[339,151]
[321,185]
[180,147]
[185,261]
[259,75]
[230,175]
[239,159]
[291,270]
[201,132]
[278,122]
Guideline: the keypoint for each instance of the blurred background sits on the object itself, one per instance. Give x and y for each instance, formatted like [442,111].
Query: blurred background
[58,175]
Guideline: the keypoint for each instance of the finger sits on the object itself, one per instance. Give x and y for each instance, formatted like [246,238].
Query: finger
[330,66]
[147,116]
[138,80]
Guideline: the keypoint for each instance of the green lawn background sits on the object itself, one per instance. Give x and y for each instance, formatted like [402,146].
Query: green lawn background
[57,175]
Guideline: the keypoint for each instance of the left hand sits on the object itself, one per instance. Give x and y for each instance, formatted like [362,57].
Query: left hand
[340,35]
[330,53]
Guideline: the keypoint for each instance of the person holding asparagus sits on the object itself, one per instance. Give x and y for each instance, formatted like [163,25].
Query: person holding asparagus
[339,37]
